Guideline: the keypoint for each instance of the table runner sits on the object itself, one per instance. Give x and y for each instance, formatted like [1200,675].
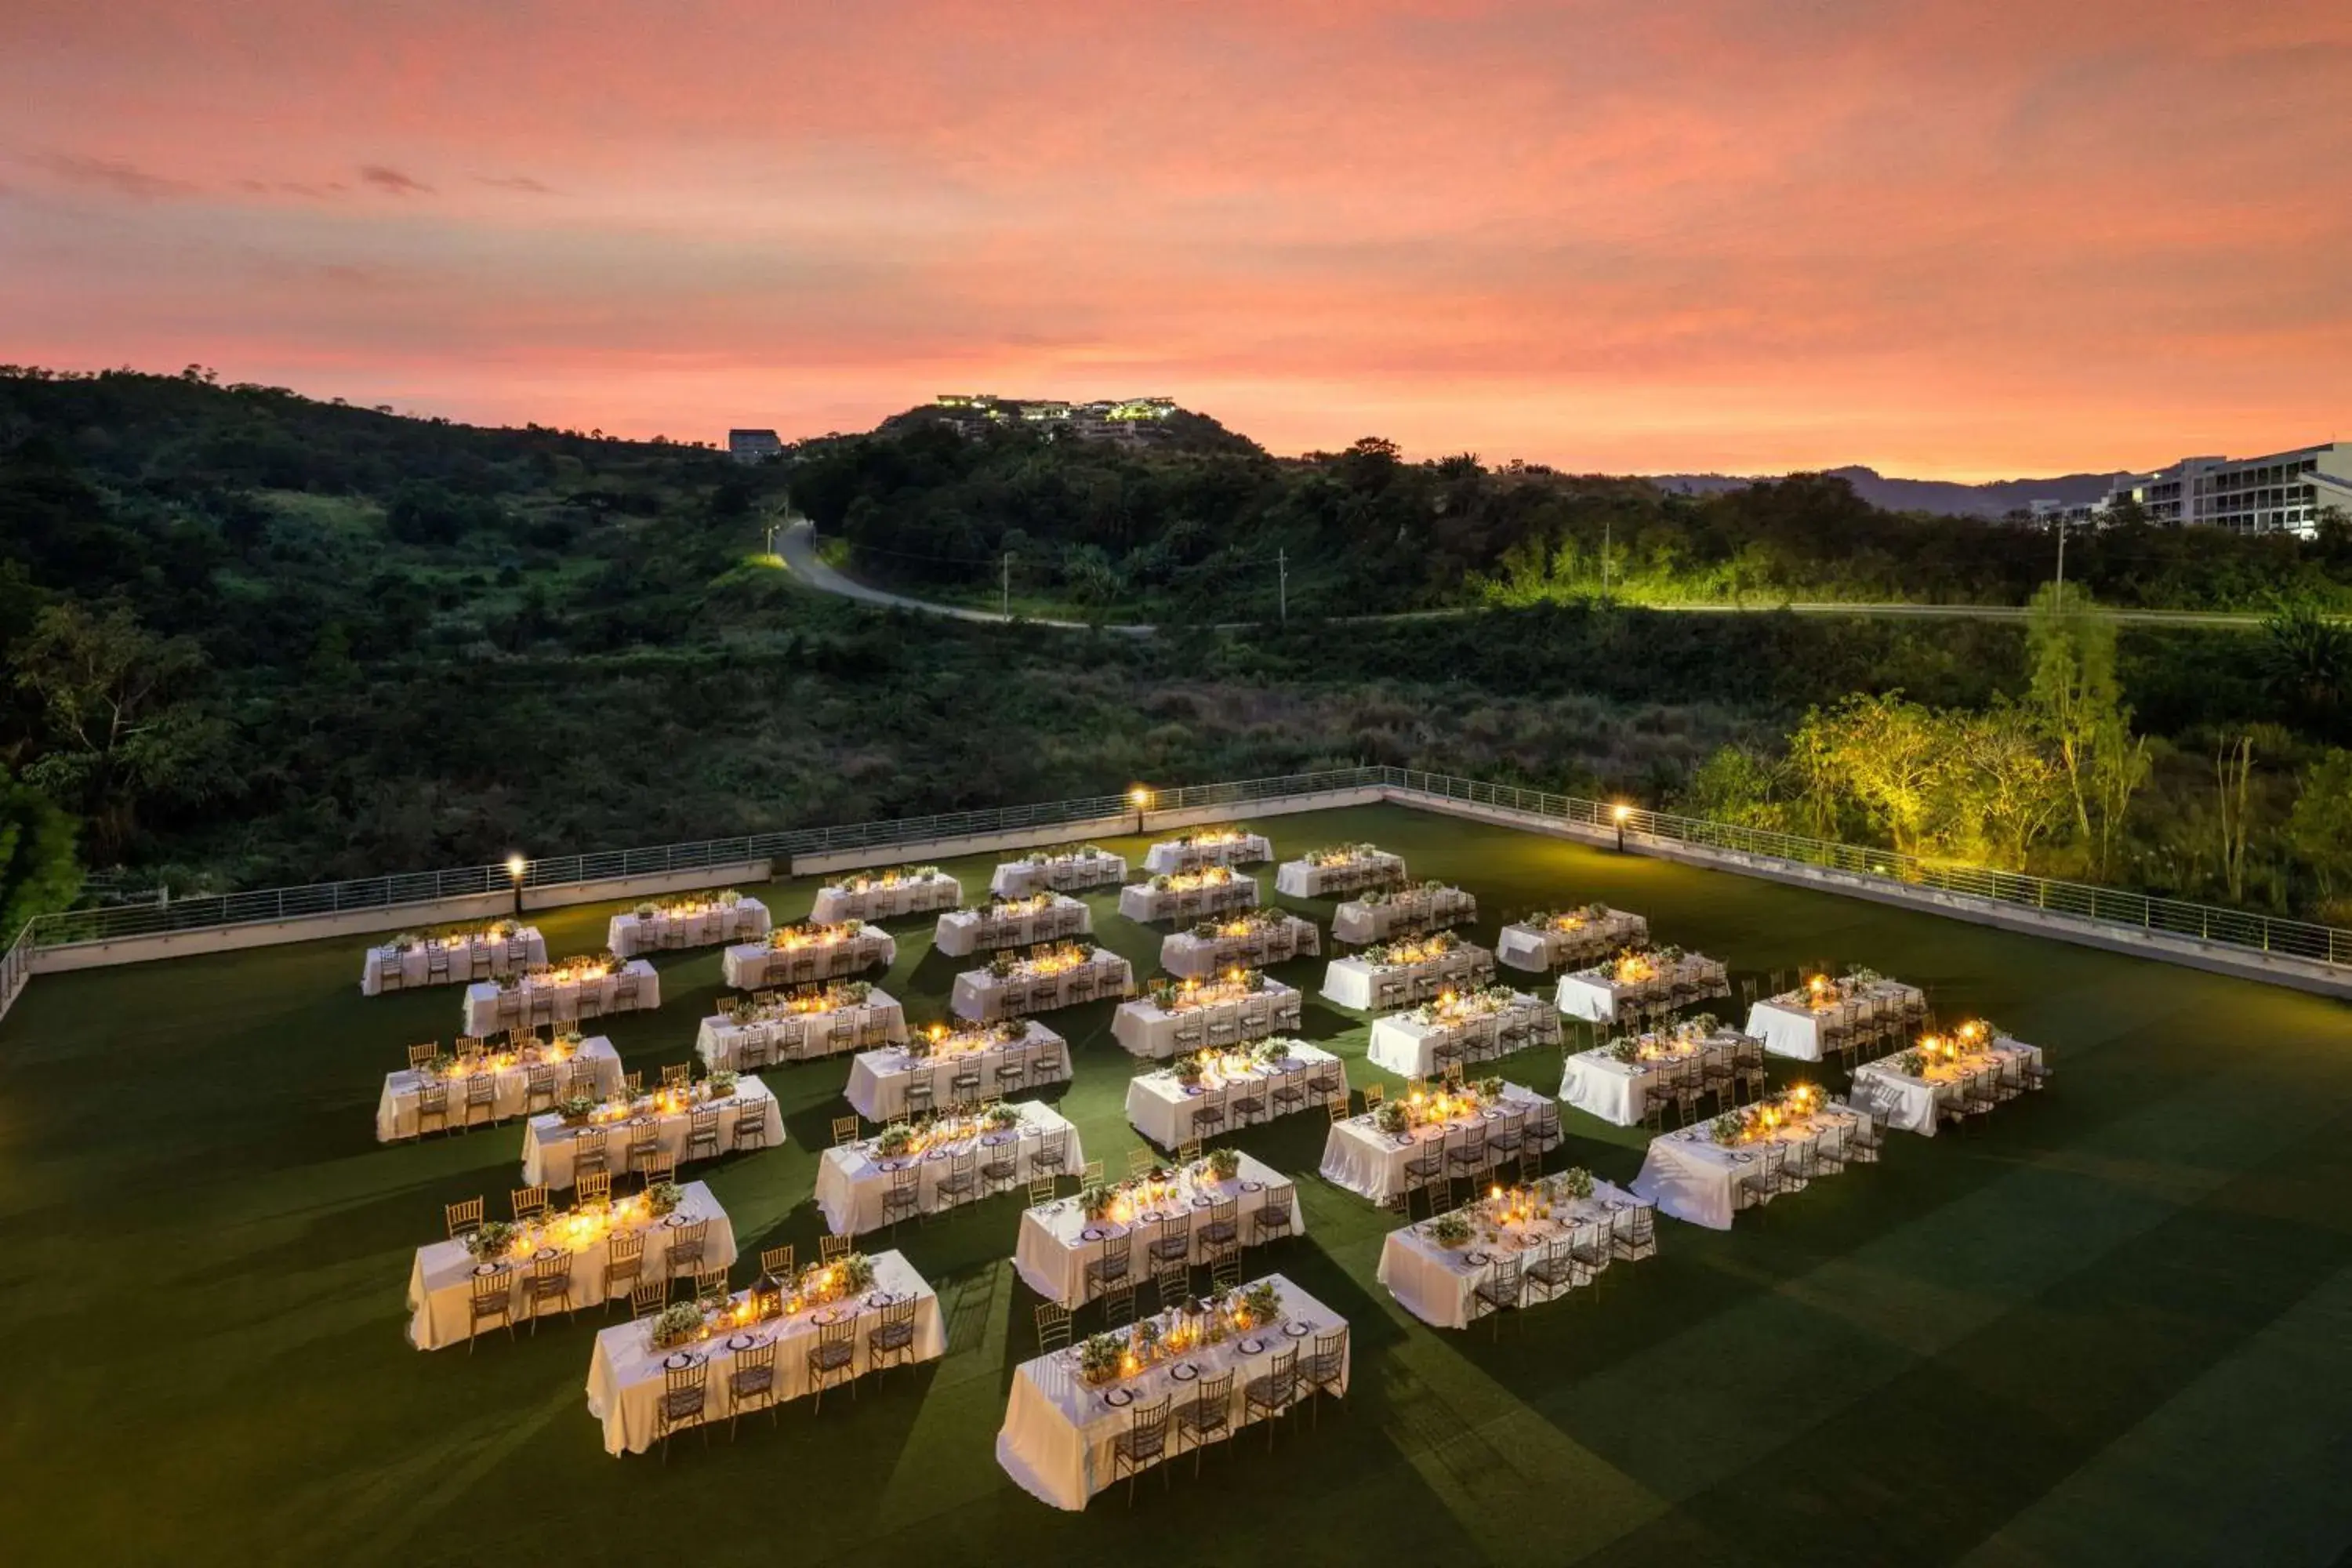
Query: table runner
[547,1139]
[631,933]
[491,1007]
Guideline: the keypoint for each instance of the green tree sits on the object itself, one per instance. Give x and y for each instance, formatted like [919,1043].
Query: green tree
[38,873]
[1735,785]
[2320,826]
[1888,755]
[2307,661]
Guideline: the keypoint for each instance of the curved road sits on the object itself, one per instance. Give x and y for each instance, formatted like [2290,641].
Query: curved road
[797,547]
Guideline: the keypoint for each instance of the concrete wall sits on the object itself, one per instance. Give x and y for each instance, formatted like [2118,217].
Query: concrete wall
[2274,969]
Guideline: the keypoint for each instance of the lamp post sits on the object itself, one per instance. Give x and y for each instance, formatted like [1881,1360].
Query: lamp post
[1618,813]
[516,867]
[1140,798]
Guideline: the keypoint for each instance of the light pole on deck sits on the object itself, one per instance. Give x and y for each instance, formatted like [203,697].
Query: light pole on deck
[516,867]
[1140,798]
[1618,813]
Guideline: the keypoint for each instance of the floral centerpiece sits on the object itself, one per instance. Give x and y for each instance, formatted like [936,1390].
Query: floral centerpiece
[680,1322]
[1393,1117]
[1223,1163]
[576,1110]
[1000,1116]
[1260,1306]
[721,1082]
[794,935]
[491,1237]
[1450,1229]
[1102,1357]
[1341,854]
[662,1197]
[1763,1119]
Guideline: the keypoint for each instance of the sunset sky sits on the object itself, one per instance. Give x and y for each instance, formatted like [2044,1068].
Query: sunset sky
[1948,239]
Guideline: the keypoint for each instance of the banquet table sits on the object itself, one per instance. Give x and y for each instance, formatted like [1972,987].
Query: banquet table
[1159,1105]
[1371,1163]
[441,1280]
[1172,855]
[753,964]
[1305,880]
[1909,1102]
[1361,920]
[630,933]
[1789,1025]
[491,1006]
[1056,873]
[1147,1030]
[548,1139]
[445,961]
[1408,1047]
[1436,1283]
[395,1113]
[782,1034]
[837,904]
[1189,955]
[1355,982]
[1144,903]
[1596,994]
[1541,949]
[1057,1240]
[1692,1177]
[1059,1429]
[981,994]
[625,1377]
[853,1179]
[1618,1092]
[878,1079]
[962,932]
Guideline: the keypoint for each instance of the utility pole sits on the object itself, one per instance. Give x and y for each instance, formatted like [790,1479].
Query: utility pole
[1605,559]
[1282,590]
[2062,563]
[1004,588]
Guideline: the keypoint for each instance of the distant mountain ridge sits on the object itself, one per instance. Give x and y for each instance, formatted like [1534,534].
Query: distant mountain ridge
[1995,497]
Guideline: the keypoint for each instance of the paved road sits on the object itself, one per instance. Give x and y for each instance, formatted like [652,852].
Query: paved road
[797,545]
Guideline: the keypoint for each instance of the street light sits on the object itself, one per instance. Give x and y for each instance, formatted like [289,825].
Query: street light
[1618,813]
[1140,798]
[516,867]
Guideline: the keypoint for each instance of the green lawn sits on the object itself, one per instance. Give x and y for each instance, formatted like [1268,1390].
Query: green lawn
[2117,1326]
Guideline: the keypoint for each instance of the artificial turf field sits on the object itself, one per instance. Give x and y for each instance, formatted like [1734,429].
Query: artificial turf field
[2114,1325]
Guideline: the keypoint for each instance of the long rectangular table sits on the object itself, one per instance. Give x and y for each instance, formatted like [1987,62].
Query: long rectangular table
[878,1079]
[1361,920]
[1791,1023]
[1407,1044]
[1542,948]
[1692,1177]
[1147,1030]
[751,965]
[1356,982]
[1190,895]
[541,999]
[853,1180]
[447,960]
[1057,1240]
[1371,1163]
[1596,994]
[874,899]
[704,925]
[548,1139]
[441,1280]
[985,996]
[1309,880]
[1059,873]
[1596,1082]
[962,932]
[1159,1104]
[396,1111]
[1910,1101]
[1060,1428]
[1249,941]
[1437,1283]
[1192,852]
[627,1373]
[787,1036]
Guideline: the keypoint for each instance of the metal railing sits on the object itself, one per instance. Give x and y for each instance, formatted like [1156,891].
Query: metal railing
[2107,906]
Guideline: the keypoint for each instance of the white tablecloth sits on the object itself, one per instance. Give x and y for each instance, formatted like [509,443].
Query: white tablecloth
[1160,1107]
[1146,904]
[1409,1049]
[852,1181]
[1359,1156]
[1173,855]
[1692,1177]
[878,1079]
[757,963]
[1191,957]
[1058,1431]
[1061,873]
[1057,1240]
[395,1113]
[1618,1092]
[490,1007]
[796,1036]
[1146,1030]
[624,1372]
[441,1280]
[546,1141]
[1301,880]
[1792,1026]
[497,955]
[1355,983]
[1909,1103]
[629,934]
[1436,1283]
[962,932]
[1596,998]
[1524,947]
[1357,922]
[836,904]
[980,996]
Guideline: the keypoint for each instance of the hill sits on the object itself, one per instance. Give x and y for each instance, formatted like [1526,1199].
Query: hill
[1992,499]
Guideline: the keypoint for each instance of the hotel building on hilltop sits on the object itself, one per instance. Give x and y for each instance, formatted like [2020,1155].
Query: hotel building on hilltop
[2284,493]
